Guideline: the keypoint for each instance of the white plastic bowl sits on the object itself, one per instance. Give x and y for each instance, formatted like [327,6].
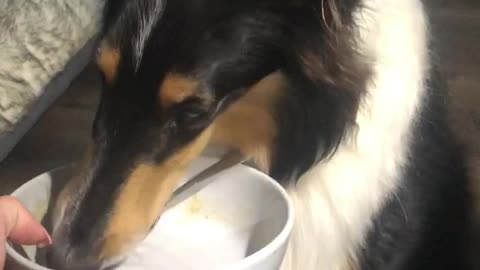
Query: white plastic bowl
[242,221]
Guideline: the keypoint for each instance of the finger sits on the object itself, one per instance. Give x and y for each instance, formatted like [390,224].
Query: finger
[2,253]
[19,226]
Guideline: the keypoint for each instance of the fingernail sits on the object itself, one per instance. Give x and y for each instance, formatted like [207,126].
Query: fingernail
[45,241]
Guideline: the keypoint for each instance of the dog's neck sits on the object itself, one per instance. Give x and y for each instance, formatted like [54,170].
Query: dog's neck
[337,199]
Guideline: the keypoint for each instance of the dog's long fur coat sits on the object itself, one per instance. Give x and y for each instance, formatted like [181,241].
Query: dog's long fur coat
[338,100]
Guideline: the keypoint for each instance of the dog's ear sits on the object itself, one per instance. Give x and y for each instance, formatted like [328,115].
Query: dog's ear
[327,79]
[323,44]
[332,9]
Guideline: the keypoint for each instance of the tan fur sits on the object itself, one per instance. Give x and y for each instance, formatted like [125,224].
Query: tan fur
[108,59]
[248,125]
[143,197]
[176,88]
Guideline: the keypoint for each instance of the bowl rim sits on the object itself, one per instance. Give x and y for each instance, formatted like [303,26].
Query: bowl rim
[19,259]
[280,239]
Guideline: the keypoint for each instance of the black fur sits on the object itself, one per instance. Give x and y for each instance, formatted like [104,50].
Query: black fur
[228,46]
[425,223]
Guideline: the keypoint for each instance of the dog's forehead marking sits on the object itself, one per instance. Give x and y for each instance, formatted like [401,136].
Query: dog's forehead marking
[176,88]
[108,59]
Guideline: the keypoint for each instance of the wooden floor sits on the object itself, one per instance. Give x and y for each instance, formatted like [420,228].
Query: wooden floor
[61,134]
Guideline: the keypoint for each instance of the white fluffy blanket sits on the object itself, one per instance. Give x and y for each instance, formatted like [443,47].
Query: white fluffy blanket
[37,38]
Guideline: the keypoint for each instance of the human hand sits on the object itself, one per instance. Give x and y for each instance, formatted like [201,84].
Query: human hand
[19,226]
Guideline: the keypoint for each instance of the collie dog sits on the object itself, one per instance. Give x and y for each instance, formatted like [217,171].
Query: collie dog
[338,100]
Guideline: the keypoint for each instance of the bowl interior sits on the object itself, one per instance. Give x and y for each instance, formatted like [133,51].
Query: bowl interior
[244,213]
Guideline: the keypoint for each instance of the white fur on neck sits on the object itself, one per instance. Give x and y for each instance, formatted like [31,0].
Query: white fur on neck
[336,200]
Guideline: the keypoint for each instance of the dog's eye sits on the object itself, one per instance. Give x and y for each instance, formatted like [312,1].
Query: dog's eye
[190,113]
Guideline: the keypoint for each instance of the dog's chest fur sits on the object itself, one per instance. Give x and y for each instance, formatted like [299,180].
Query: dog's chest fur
[342,202]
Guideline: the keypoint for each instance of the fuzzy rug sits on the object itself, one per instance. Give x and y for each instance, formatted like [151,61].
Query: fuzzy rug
[37,39]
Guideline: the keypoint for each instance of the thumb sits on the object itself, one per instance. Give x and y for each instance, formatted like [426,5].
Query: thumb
[19,226]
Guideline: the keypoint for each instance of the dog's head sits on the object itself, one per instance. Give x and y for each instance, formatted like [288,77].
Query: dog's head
[177,75]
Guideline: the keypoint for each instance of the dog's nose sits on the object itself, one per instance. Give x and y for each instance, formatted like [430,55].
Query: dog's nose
[61,258]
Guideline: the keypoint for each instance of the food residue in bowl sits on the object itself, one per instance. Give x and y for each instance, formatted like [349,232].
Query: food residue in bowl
[180,239]
[195,205]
